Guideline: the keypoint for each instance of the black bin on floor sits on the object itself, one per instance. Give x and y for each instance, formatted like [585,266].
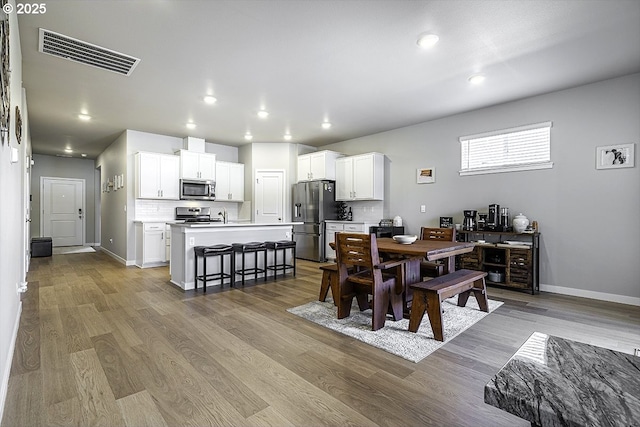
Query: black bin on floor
[41,246]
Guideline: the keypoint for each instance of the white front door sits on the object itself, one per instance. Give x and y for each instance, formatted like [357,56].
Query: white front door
[269,191]
[63,211]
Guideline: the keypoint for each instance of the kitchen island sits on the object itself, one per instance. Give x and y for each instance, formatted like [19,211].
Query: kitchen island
[185,236]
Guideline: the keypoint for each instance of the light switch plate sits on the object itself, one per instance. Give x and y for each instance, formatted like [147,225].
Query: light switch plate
[423,208]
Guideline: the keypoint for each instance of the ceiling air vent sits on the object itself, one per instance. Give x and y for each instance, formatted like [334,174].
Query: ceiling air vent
[85,53]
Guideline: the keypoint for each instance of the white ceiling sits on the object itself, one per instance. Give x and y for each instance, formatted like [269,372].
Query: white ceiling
[354,63]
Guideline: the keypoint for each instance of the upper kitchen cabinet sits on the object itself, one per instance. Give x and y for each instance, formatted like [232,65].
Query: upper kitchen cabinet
[229,182]
[318,165]
[195,165]
[157,176]
[360,177]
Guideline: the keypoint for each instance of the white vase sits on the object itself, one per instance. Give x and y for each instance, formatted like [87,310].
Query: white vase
[397,221]
[520,223]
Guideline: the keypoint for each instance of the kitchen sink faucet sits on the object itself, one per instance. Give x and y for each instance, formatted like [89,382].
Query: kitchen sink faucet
[224,215]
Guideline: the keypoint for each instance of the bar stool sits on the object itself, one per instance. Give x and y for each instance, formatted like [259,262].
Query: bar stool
[211,251]
[282,245]
[247,248]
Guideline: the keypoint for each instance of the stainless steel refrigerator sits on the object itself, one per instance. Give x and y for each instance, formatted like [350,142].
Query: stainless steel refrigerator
[313,203]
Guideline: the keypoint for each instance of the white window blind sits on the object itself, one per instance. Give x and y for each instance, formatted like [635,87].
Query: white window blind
[522,148]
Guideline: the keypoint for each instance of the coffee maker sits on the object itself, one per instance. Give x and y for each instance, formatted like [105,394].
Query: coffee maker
[493,220]
[469,222]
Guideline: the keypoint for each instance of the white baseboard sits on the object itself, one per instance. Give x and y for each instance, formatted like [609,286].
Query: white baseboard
[4,387]
[118,258]
[622,299]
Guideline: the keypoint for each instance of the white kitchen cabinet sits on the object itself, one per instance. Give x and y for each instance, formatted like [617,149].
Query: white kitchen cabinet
[229,182]
[157,176]
[318,165]
[151,244]
[194,165]
[360,177]
[332,227]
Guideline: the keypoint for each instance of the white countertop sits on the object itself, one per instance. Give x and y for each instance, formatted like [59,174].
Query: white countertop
[232,225]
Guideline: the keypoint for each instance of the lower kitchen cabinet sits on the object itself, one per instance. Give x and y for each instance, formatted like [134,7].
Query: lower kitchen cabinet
[151,244]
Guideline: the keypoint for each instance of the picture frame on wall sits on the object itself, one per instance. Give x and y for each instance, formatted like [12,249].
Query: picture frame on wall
[426,176]
[615,156]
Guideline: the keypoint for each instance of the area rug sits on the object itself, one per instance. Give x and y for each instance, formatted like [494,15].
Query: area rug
[395,336]
[65,250]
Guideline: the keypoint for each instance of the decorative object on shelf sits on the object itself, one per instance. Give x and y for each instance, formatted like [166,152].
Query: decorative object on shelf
[446,222]
[426,176]
[342,211]
[5,97]
[520,223]
[615,156]
[397,221]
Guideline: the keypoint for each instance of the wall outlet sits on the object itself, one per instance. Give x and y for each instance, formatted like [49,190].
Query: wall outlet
[192,241]
[111,241]
[21,287]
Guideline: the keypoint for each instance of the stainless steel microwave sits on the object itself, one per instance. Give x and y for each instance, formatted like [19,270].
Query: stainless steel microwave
[197,189]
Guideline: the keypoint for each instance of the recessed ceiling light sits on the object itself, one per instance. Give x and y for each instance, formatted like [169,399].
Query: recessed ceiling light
[427,41]
[191,125]
[83,155]
[326,125]
[68,150]
[84,117]
[248,136]
[263,114]
[210,99]
[287,137]
[476,79]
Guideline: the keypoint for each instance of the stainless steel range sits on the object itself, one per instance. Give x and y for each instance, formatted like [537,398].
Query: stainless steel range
[195,215]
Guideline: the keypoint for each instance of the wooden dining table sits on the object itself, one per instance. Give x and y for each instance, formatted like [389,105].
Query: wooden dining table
[430,249]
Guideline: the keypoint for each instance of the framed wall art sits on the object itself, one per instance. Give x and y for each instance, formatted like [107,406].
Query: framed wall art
[5,100]
[615,156]
[426,176]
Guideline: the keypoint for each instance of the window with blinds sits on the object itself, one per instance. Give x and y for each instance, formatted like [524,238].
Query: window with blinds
[508,150]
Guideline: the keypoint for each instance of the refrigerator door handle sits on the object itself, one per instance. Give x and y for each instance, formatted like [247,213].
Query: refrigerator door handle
[296,211]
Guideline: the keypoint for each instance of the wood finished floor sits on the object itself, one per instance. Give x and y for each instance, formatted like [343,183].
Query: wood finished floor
[103,344]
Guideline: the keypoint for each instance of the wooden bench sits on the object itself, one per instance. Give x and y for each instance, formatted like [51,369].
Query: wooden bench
[329,280]
[428,296]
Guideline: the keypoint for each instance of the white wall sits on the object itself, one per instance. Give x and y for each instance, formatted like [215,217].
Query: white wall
[13,229]
[588,217]
[113,217]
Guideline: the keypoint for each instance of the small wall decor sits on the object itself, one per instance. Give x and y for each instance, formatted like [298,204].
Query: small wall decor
[5,100]
[426,176]
[615,156]
[18,125]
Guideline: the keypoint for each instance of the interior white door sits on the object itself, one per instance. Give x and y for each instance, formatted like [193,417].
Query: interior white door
[269,191]
[63,211]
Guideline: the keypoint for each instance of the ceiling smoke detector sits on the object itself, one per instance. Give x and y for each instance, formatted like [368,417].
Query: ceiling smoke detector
[85,53]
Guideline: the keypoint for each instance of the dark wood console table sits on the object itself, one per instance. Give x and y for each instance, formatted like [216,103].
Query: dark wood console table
[518,262]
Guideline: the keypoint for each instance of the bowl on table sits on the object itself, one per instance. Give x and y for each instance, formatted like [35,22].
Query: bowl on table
[405,239]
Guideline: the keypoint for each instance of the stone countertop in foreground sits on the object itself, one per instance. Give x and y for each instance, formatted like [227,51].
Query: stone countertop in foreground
[553,381]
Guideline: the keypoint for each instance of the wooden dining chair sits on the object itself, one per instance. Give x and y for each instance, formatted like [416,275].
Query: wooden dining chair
[435,268]
[369,276]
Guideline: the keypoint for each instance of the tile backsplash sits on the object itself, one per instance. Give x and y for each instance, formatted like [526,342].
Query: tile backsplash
[165,210]
[367,211]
